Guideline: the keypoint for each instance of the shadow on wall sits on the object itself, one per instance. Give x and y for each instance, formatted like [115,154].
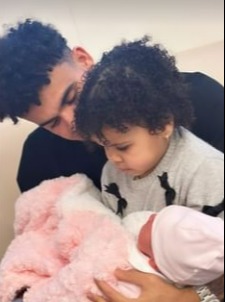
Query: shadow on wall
[11,141]
[208,59]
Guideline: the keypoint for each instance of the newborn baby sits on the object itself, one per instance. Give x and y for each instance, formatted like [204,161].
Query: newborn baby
[65,238]
[185,246]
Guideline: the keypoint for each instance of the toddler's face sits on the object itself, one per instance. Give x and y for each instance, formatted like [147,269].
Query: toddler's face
[138,151]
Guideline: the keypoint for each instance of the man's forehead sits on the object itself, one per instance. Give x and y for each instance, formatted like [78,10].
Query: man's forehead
[64,80]
[49,109]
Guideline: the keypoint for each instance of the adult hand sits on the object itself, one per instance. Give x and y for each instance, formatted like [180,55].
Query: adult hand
[153,289]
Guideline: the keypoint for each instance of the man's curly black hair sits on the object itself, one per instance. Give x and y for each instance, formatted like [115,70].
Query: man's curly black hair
[137,83]
[28,53]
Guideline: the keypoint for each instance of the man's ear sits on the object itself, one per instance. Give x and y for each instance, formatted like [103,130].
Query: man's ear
[82,57]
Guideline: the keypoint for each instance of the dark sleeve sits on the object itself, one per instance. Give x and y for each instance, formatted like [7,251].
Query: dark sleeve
[19,295]
[47,156]
[207,97]
[36,162]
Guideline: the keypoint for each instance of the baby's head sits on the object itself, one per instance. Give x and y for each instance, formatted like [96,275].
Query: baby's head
[131,103]
[186,246]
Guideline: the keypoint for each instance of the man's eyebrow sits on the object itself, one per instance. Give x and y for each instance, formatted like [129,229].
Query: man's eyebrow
[63,102]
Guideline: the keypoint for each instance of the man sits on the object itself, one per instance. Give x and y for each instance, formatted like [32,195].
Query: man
[40,80]
[25,58]
[37,68]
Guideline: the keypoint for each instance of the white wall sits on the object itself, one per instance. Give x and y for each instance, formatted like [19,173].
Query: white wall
[208,59]
[99,24]
[11,141]
[186,27]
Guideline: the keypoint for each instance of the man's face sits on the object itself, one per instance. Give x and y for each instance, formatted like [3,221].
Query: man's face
[58,99]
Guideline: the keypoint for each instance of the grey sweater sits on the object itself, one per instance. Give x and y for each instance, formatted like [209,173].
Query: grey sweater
[195,171]
[190,174]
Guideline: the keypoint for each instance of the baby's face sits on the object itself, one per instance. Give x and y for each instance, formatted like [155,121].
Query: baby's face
[138,151]
[145,241]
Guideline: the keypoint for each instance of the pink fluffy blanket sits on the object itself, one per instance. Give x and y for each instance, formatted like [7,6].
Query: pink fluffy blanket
[64,238]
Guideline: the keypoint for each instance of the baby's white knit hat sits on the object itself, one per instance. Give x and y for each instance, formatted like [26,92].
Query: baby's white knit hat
[188,246]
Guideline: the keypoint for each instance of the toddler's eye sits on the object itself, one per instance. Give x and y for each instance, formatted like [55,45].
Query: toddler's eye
[123,148]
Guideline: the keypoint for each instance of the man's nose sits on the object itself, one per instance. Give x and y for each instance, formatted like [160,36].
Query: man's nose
[67,116]
[66,127]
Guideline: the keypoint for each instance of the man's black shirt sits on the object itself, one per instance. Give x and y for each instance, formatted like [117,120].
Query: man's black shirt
[47,156]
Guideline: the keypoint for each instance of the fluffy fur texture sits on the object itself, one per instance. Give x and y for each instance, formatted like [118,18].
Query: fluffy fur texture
[61,245]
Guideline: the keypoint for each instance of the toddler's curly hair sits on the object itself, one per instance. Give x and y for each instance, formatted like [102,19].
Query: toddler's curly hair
[135,84]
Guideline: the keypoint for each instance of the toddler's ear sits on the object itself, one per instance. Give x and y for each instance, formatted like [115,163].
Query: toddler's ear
[168,130]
